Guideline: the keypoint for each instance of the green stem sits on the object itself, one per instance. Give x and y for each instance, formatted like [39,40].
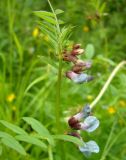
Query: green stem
[58,96]
[59,52]
[50,152]
[117,68]
[57,23]
[10,24]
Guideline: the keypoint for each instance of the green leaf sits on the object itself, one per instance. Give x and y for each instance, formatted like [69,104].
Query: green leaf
[48,60]
[1,150]
[13,127]
[104,59]
[89,51]
[102,7]
[65,35]
[37,80]
[69,139]
[48,26]
[43,13]
[18,45]
[39,128]
[45,17]
[58,11]
[49,33]
[32,140]
[11,142]
[60,21]
[51,38]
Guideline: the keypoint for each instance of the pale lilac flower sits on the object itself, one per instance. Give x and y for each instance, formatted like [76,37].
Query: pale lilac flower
[74,121]
[81,66]
[86,111]
[78,78]
[86,64]
[90,124]
[89,147]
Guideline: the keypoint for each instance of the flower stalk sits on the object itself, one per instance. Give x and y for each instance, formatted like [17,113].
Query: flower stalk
[117,68]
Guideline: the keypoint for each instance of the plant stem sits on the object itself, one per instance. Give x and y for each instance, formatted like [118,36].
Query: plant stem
[117,68]
[57,23]
[104,153]
[50,152]
[10,24]
[58,96]
[59,52]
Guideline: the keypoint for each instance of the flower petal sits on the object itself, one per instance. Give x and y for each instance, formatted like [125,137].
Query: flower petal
[86,111]
[80,78]
[89,147]
[90,124]
[83,114]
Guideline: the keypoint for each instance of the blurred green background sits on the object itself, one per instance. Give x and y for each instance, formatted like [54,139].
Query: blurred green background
[98,23]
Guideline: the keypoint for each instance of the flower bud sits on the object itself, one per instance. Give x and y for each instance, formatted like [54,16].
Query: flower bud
[85,64]
[74,123]
[77,69]
[70,58]
[76,46]
[77,51]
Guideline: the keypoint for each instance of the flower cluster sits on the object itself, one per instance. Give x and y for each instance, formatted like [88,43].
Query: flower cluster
[85,121]
[76,73]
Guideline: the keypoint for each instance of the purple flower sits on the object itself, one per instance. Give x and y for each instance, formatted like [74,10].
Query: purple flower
[89,147]
[74,121]
[86,64]
[81,66]
[86,111]
[78,78]
[89,124]
[75,52]
[69,58]
[76,46]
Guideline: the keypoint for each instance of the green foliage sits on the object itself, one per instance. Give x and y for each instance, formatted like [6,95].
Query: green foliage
[35,139]
[89,50]
[13,127]
[29,65]
[69,139]
[40,129]
[32,140]
[11,142]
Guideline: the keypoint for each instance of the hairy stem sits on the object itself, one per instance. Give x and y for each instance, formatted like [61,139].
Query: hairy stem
[117,68]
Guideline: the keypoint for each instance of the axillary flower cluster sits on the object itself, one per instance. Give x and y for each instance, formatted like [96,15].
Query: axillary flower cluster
[76,73]
[84,120]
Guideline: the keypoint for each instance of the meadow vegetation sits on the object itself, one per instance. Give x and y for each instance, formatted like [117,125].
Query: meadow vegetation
[37,99]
